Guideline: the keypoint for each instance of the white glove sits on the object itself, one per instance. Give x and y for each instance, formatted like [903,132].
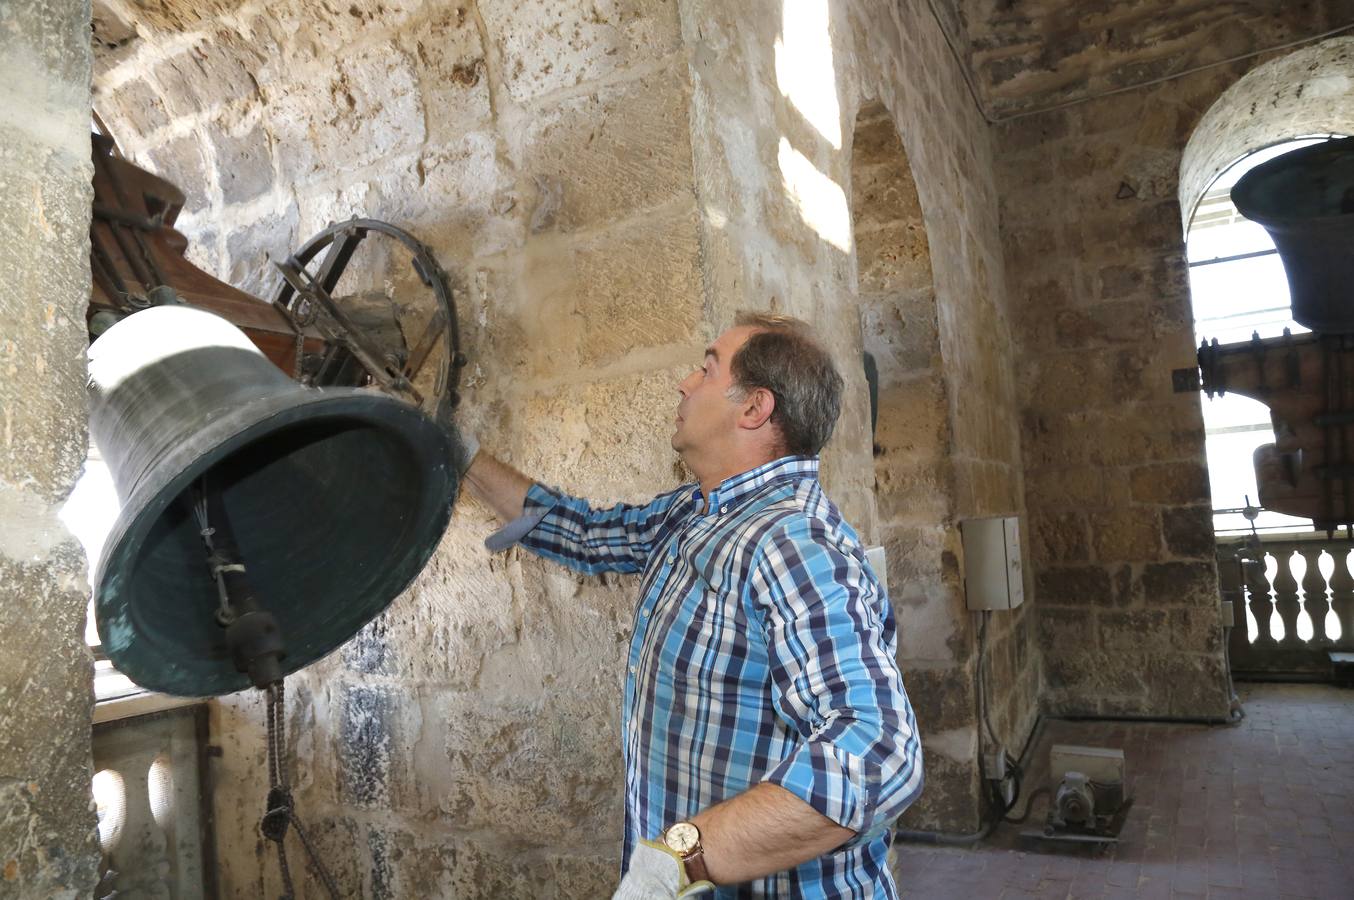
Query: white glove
[657,873]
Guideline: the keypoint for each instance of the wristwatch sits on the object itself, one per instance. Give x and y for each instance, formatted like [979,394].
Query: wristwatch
[684,839]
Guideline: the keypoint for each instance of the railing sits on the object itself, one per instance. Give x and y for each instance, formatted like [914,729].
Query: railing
[1292,602]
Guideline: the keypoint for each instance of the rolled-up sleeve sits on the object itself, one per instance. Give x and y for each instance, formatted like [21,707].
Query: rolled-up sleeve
[835,680]
[589,540]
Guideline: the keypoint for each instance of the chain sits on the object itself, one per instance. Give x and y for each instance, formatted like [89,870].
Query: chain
[280,810]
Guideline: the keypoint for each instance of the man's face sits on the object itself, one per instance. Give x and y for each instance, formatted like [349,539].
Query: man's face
[706,416]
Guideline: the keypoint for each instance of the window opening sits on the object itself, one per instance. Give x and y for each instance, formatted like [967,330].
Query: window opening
[1238,288]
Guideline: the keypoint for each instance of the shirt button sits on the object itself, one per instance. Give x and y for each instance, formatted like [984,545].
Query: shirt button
[723,509]
[644,613]
[634,670]
[672,559]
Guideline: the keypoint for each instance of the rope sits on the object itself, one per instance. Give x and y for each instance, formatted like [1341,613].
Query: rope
[280,810]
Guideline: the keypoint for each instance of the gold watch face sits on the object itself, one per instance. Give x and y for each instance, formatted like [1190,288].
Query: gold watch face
[682,837]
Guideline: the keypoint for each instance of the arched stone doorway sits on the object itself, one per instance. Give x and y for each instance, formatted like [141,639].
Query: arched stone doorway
[913,476]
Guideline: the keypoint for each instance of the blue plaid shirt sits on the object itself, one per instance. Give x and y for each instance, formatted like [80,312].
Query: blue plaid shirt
[763,650]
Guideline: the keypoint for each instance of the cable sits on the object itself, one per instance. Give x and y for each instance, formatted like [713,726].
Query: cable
[997,120]
[1029,807]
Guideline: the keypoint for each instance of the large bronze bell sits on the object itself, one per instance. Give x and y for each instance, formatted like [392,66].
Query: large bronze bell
[1305,200]
[335,497]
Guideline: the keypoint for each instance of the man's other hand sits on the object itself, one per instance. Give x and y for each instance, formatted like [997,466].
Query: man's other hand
[657,873]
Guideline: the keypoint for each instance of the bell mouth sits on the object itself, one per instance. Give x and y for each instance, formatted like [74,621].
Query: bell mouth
[337,499]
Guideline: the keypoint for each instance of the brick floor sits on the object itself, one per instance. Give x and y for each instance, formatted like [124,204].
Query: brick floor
[1264,809]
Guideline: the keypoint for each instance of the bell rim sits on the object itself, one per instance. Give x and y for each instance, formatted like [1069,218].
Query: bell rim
[239,428]
[1244,192]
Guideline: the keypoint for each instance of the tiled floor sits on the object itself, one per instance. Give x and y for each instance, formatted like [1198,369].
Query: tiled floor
[1264,809]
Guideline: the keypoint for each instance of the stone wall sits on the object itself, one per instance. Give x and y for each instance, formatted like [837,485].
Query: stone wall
[1117,480]
[607,184]
[1037,53]
[776,92]
[467,742]
[47,837]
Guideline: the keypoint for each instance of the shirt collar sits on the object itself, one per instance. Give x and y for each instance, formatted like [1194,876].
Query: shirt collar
[738,487]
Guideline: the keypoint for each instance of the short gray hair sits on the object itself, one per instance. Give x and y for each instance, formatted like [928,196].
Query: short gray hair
[783,357]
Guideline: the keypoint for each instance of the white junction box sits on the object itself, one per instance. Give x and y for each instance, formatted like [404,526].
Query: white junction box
[993,575]
[875,557]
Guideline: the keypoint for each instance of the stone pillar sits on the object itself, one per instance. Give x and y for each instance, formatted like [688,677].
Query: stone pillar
[47,827]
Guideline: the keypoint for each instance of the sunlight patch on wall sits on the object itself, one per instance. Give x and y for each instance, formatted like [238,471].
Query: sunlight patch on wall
[804,71]
[821,201]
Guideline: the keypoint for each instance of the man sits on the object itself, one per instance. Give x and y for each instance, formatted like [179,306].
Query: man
[768,741]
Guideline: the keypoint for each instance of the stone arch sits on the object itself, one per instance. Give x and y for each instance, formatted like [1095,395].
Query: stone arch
[914,481]
[897,302]
[1310,91]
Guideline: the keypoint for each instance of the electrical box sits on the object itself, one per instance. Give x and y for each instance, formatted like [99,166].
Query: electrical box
[993,575]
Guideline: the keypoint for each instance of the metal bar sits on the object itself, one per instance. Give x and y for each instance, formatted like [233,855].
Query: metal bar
[1226,259]
[335,262]
[348,332]
[436,325]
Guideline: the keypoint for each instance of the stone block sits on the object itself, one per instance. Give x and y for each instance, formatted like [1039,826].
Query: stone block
[893,257]
[545,47]
[1074,586]
[1139,630]
[883,193]
[900,330]
[1058,536]
[606,440]
[1121,281]
[1180,584]
[249,249]
[370,745]
[1170,483]
[1199,630]
[364,109]
[1126,535]
[136,107]
[464,202]
[1084,671]
[453,74]
[531,761]
[1189,531]
[43,341]
[604,156]
[180,161]
[1060,627]
[943,699]
[638,288]
[244,166]
[213,72]
[950,801]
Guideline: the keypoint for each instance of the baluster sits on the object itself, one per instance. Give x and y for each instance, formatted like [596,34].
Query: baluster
[1233,590]
[1299,565]
[1262,593]
[1342,601]
[1318,596]
[1286,606]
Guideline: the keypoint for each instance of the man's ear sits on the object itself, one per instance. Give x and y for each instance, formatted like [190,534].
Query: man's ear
[757,408]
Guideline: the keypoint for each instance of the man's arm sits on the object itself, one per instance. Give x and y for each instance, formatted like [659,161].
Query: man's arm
[836,682]
[763,830]
[499,485]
